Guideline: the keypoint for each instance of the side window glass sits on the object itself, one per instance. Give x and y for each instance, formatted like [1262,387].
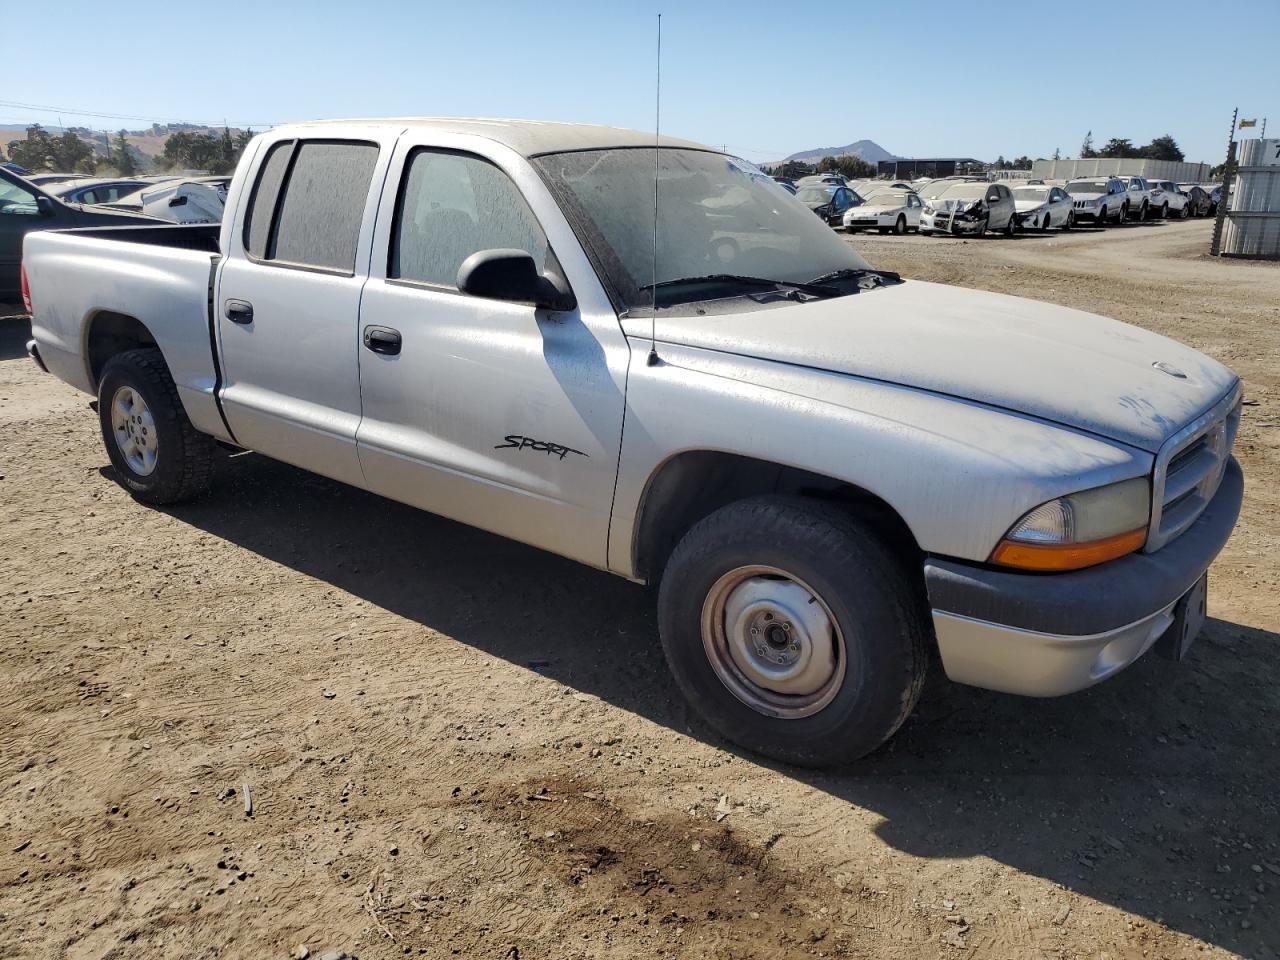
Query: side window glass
[452,205]
[262,205]
[17,201]
[993,195]
[321,212]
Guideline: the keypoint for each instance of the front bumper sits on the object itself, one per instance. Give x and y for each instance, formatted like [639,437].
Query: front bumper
[948,223]
[1044,635]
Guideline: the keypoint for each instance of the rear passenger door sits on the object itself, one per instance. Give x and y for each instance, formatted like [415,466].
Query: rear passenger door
[288,299]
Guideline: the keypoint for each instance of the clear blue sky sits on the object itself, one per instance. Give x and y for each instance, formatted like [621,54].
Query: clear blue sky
[921,78]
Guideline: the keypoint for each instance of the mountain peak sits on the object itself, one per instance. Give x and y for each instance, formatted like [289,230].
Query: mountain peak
[867,150]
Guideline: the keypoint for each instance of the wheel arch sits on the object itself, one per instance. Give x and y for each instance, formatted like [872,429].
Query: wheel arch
[108,333]
[692,484]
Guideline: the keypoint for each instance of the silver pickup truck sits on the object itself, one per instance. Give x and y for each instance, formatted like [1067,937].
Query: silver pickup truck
[651,359]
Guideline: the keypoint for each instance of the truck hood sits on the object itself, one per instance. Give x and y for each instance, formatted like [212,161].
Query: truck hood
[1054,363]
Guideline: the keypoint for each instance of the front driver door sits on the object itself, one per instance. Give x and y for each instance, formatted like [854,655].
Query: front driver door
[497,414]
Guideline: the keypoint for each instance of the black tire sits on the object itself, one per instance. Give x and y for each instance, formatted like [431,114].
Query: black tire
[1101,219]
[184,456]
[1071,220]
[1124,212]
[1164,211]
[1143,212]
[900,225]
[1011,227]
[983,227]
[871,599]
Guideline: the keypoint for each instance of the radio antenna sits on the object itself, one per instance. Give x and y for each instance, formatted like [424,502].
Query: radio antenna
[657,127]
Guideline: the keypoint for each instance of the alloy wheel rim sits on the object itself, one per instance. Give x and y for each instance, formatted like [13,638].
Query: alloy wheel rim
[134,429]
[773,642]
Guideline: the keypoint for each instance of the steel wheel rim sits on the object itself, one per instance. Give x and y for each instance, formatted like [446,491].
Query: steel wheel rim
[134,429]
[794,663]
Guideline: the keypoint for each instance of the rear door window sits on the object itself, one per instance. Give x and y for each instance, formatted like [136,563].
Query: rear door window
[308,205]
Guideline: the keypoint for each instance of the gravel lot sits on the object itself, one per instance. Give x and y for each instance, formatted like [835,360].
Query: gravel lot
[458,746]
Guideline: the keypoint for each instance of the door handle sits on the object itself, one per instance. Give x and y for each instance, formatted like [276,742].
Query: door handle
[239,311]
[382,340]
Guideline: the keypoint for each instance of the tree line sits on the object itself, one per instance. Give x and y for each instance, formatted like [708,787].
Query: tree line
[70,152]
[1122,148]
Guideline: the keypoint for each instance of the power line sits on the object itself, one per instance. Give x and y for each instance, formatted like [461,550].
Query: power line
[47,108]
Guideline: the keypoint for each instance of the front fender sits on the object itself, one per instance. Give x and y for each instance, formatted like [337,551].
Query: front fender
[958,473]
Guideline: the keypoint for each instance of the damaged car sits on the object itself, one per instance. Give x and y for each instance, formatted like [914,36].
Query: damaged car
[968,206]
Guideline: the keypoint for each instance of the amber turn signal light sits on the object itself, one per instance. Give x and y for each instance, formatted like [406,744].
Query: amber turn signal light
[1067,556]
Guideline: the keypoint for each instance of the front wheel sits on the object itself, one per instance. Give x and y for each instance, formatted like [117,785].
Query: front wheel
[1011,226]
[900,225]
[158,456]
[1071,220]
[793,630]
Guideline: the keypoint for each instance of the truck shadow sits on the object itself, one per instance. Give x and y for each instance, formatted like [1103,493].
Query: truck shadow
[15,331]
[1154,793]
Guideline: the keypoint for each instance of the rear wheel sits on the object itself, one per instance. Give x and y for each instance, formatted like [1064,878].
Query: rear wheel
[1164,211]
[793,630]
[158,456]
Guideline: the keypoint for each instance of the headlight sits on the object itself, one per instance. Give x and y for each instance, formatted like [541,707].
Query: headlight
[928,208]
[1094,202]
[1079,530]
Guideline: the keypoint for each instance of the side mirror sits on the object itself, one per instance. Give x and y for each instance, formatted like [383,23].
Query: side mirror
[512,275]
[46,207]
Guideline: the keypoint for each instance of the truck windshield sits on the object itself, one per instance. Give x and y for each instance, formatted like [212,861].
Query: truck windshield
[715,217]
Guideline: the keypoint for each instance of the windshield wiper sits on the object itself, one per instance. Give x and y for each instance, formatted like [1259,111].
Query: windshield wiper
[812,287]
[849,273]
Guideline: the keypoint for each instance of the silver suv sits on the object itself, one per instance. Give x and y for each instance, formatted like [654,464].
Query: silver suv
[1099,200]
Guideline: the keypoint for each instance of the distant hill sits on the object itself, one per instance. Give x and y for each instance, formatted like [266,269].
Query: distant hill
[149,143]
[867,150]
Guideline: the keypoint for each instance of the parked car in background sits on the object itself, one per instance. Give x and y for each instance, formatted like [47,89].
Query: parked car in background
[835,179]
[15,168]
[1099,201]
[967,206]
[1042,207]
[1198,202]
[48,179]
[885,209]
[1138,191]
[786,182]
[24,207]
[1167,199]
[1215,197]
[827,200]
[90,190]
[198,200]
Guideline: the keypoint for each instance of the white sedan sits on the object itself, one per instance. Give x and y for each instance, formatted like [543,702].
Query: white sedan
[1041,207]
[887,209]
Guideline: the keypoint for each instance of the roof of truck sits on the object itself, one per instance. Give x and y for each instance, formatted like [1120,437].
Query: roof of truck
[527,137]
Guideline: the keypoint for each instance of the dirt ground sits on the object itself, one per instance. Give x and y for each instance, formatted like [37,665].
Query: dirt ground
[458,746]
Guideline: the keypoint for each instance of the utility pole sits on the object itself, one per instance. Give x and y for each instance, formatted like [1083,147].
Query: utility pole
[1215,247]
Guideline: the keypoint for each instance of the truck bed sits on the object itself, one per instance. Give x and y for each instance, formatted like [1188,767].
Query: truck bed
[197,236]
[96,279]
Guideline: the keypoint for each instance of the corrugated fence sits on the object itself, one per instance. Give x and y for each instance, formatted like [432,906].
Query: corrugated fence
[1252,227]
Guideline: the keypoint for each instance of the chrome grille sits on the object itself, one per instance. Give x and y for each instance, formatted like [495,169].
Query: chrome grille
[1189,468]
